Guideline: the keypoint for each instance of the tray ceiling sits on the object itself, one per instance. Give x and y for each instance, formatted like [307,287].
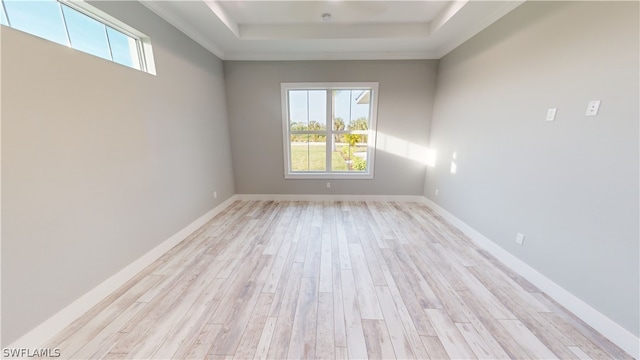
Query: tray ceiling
[336,29]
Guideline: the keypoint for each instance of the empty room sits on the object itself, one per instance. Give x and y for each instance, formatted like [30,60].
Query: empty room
[320,179]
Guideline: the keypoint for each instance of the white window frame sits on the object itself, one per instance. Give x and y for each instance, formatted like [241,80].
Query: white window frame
[371,132]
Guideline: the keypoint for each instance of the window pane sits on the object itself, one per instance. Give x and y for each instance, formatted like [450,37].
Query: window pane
[298,115]
[359,154]
[351,109]
[3,16]
[41,18]
[339,154]
[308,152]
[351,113]
[299,152]
[317,153]
[353,151]
[123,48]
[317,109]
[338,123]
[307,110]
[86,34]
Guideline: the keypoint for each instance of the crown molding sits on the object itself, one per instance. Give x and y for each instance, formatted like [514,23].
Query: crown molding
[239,56]
[184,26]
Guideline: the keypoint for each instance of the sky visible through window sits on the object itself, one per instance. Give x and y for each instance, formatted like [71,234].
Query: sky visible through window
[47,19]
[40,18]
[86,34]
[3,16]
[345,106]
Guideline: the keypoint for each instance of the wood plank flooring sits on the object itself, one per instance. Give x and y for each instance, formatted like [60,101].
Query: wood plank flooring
[294,280]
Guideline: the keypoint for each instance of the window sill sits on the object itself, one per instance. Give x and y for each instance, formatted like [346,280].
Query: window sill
[328,176]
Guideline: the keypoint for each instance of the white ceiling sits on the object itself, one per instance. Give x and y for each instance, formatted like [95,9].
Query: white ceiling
[296,30]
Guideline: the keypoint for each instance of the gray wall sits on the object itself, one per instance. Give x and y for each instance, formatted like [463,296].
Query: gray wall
[101,163]
[406,90]
[571,186]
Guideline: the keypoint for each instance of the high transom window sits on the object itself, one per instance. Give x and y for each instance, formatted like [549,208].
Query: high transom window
[329,130]
[80,26]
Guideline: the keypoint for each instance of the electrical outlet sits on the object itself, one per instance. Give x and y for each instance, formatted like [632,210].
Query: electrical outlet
[328,185]
[520,239]
[437,192]
[592,108]
[215,194]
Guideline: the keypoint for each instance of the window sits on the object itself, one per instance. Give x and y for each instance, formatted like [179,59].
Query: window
[329,130]
[82,27]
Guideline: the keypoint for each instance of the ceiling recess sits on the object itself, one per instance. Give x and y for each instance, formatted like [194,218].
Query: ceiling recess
[360,30]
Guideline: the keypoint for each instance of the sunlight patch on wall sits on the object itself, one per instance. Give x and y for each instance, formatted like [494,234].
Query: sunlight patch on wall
[431,157]
[406,149]
[454,166]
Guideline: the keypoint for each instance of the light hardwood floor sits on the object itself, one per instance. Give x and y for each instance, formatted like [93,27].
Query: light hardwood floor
[293,280]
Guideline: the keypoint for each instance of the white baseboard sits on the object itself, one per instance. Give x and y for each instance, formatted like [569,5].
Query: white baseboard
[601,323]
[329,197]
[46,330]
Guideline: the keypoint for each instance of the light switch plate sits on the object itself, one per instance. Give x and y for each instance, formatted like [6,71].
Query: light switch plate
[551,114]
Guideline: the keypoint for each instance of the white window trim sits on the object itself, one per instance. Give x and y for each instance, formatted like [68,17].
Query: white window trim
[371,132]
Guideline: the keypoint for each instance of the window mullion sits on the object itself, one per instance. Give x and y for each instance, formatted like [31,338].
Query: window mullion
[64,22]
[308,137]
[308,154]
[106,33]
[329,127]
[6,14]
